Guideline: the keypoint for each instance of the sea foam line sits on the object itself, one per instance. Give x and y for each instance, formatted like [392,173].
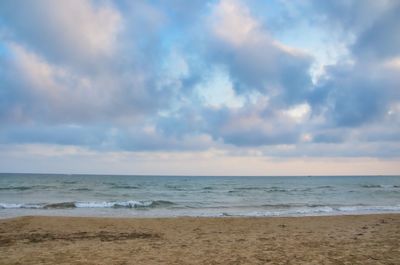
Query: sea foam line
[104,204]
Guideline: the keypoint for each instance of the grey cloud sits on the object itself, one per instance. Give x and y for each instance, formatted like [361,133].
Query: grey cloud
[361,93]
[356,101]
[63,135]
[50,29]
[382,38]
[265,68]
[352,15]
[251,126]
[52,94]
[333,136]
[355,95]
[373,24]
[103,137]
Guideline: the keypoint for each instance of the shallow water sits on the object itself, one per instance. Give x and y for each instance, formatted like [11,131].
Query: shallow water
[165,196]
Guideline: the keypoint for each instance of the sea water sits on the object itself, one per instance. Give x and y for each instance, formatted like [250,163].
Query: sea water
[172,196]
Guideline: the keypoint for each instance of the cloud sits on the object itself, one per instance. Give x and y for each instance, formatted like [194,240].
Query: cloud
[65,135]
[185,76]
[360,91]
[251,127]
[353,95]
[40,91]
[254,59]
[76,32]
[353,15]
[382,38]
[369,26]
[65,159]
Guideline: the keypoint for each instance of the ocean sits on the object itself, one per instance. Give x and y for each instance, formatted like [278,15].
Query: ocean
[173,196]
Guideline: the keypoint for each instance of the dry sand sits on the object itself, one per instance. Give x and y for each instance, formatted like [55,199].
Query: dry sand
[368,239]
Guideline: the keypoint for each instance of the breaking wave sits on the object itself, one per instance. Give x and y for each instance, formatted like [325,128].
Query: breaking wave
[105,204]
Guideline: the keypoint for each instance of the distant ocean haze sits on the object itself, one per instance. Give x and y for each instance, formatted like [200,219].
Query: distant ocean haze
[171,196]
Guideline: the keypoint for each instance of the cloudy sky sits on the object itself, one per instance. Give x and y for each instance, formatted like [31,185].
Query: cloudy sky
[221,87]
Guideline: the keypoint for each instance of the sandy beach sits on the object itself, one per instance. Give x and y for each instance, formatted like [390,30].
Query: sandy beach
[367,239]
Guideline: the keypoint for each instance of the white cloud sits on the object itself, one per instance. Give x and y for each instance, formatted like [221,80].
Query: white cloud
[81,24]
[232,22]
[299,113]
[217,90]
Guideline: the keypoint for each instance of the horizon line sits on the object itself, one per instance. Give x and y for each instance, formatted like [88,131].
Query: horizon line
[182,175]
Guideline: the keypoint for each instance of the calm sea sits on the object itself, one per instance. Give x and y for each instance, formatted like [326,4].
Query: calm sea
[170,196]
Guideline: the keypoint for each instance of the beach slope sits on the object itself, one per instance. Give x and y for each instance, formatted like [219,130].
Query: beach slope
[363,239]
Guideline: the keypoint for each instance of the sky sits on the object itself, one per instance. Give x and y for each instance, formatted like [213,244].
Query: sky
[221,87]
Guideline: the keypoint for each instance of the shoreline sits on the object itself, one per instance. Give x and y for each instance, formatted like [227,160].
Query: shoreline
[352,239]
[149,217]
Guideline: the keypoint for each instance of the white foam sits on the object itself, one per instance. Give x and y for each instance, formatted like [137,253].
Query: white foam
[101,204]
[10,205]
[369,208]
[323,209]
[116,204]
[94,204]
[316,211]
[19,206]
[204,212]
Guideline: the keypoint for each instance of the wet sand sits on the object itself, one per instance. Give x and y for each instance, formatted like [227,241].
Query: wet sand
[363,239]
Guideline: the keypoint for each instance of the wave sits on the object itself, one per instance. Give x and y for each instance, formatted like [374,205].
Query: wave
[105,204]
[325,187]
[377,186]
[61,205]
[19,188]
[175,187]
[345,209]
[305,205]
[23,188]
[81,189]
[20,206]
[274,189]
[220,211]
[114,185]
[368,186]
[125,204]
[70,182]
[252,188]
[128,187]
[279,205]
[316,211]
[279,189]
[265,189]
